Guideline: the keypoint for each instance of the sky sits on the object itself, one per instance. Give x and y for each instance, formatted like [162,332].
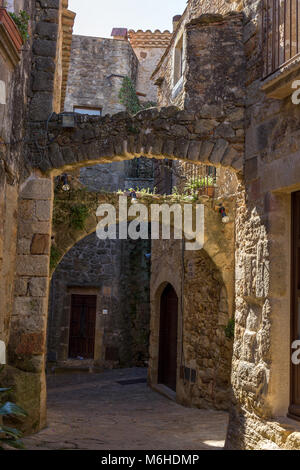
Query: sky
[99,17]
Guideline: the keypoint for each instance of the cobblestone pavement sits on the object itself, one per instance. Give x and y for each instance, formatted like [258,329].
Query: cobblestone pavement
[94,411]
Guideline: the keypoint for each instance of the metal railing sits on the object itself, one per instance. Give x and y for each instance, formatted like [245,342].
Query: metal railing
[281,33]
[197,179]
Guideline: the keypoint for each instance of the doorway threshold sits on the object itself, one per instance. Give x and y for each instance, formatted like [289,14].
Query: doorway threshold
[165,391]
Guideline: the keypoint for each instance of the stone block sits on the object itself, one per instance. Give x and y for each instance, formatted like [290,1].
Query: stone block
[21,287]
[206,150]
[41,106]
[24,246]
[218,151]
[168,148]
[26,210]
[31,344]
[40,244]
[44,48]
[28,229]
[238,164]
[43,81]
[194,151]
[181,148]
[29,308]
[45,64]
[205,126]
[55,156]
[225,131]
[236,115]
[68,155]
[46,30]
[37,188]
[50,3]
[43,210]
[230,155]
[30,265]
[50,15]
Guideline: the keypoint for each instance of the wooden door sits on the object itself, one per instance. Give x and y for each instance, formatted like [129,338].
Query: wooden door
[82,326]
[167,368]
[294,409]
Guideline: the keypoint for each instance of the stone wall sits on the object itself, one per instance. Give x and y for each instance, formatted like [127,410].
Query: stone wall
[14,80]
[94,80]
[149,47]
[261,360]
[204,283]
[25,234]
[174,93]
[262,356]
[96,70]
[117,272]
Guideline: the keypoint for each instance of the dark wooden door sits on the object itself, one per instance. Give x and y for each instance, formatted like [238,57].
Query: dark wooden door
[82,326]
[295,296]
[167,368]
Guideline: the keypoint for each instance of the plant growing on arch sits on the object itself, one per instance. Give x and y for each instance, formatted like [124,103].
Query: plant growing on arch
[129,98]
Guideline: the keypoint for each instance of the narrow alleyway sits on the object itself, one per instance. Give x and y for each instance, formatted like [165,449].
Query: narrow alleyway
[105,412]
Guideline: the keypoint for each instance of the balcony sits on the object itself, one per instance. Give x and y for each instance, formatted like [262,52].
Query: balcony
[10,38]
[281,46]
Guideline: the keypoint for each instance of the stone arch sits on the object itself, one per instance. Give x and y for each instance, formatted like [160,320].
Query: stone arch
[171,133]
[107,270]
[160,133]
[156,290]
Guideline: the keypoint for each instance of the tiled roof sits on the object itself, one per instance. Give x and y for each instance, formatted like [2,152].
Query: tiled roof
[121,32]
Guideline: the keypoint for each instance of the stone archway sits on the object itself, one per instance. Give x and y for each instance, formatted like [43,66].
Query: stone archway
[115,273]
[159,133]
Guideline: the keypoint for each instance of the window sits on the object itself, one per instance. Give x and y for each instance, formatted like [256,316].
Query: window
[281,33]
[88,110]
[178,61]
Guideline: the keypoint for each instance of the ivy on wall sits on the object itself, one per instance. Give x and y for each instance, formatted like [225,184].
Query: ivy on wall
[229,329]
[129,98]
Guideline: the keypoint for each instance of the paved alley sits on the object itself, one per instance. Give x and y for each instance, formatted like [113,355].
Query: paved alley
[116,410]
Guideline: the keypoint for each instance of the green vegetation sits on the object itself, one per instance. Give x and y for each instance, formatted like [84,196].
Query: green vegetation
[10,436]
[229,329]
[78,216]
[55,256]
[129,99]
[199,183]
[21,20]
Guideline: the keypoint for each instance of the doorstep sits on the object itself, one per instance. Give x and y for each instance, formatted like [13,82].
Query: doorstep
[164,390]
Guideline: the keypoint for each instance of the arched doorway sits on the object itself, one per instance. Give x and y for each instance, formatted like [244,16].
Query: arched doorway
[167,368]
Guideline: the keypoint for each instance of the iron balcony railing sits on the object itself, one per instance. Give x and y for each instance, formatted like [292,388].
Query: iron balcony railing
[281,33]
[197,179]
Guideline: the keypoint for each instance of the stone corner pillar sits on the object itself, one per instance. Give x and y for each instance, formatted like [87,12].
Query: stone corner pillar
[27,343]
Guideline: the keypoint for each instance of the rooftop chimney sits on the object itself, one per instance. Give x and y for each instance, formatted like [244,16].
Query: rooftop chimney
[120,33]
[176,20]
